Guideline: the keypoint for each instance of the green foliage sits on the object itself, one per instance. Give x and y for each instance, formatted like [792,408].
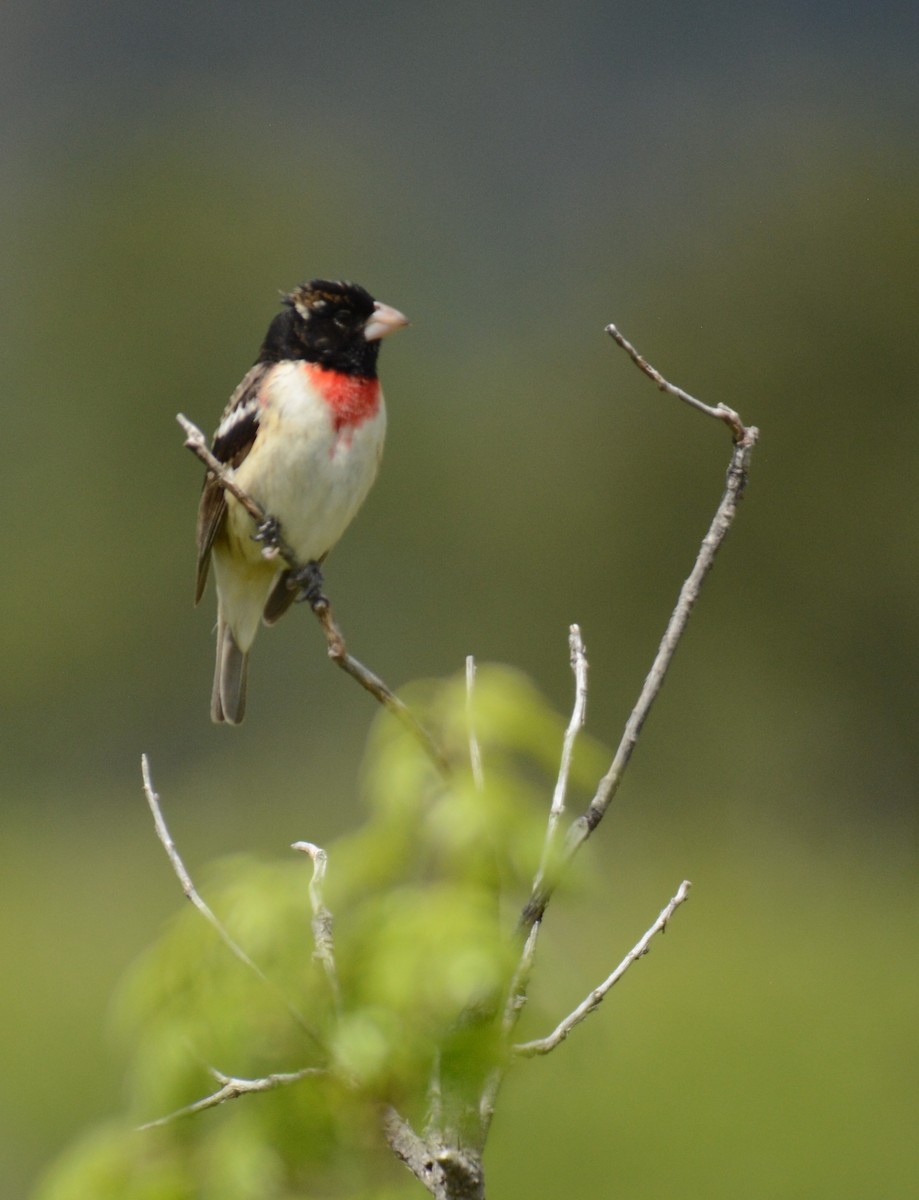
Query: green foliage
[115,1160]
[421,895]
[487,836]
[189,1001]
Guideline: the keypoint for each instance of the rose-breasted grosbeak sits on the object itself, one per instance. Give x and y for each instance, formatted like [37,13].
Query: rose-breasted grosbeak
[304,435]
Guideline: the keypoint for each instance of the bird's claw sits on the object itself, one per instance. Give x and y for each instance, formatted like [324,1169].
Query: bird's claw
[268,534]
[307,583]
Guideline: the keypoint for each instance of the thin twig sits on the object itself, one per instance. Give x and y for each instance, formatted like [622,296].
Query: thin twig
[196,442]
[322,918]
[192,894]
[721,411]
[517,991]
[514,1005]
[689,594]
[587,1006]
[188,887]
[434,1107]
[475,751]
[231,1089]
[575,725]
[744,440]
[338,653]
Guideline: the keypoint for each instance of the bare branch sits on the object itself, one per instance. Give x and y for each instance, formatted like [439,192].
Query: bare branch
[514,1005]
[587,1006]
[231,1089]
[517,991]
[689,594]
[721,411]
[744,439]
[197,444]
[415,1152]
[322,918]
[188,887]
[338,653]
[475,752]
[575,725]
[434,1109]
[192,894]
[278,547]
[448,1172]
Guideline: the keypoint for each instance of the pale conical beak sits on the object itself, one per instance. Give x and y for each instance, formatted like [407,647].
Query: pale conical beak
[383,320]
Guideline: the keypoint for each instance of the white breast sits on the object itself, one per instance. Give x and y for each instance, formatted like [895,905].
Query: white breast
[304,472]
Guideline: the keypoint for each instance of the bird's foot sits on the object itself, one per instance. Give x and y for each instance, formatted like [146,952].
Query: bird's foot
[268,534]
[307,583]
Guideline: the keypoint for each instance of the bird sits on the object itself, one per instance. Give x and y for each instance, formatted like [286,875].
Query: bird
[303,434]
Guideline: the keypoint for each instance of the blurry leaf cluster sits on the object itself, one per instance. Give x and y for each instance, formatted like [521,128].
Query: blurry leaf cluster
[424,897]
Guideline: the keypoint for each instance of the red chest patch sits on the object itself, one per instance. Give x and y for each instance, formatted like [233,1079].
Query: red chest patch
[353,400]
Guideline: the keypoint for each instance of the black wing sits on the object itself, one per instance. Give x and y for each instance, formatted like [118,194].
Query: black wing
[233,440]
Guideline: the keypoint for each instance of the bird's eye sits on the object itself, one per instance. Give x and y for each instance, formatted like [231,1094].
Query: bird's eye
[343,317]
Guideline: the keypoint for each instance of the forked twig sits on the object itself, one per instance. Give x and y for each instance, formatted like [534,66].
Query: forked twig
[595,998]
[196,442]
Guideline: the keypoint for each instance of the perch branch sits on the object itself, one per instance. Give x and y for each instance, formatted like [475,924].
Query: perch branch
[232,1088]
[595,999]
[196,442]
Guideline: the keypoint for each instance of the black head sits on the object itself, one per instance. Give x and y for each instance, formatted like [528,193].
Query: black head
[329,322]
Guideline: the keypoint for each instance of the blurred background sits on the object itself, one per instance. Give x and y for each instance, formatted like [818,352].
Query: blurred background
[736,187]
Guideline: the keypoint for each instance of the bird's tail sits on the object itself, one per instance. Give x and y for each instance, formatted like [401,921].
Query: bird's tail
[228,699]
